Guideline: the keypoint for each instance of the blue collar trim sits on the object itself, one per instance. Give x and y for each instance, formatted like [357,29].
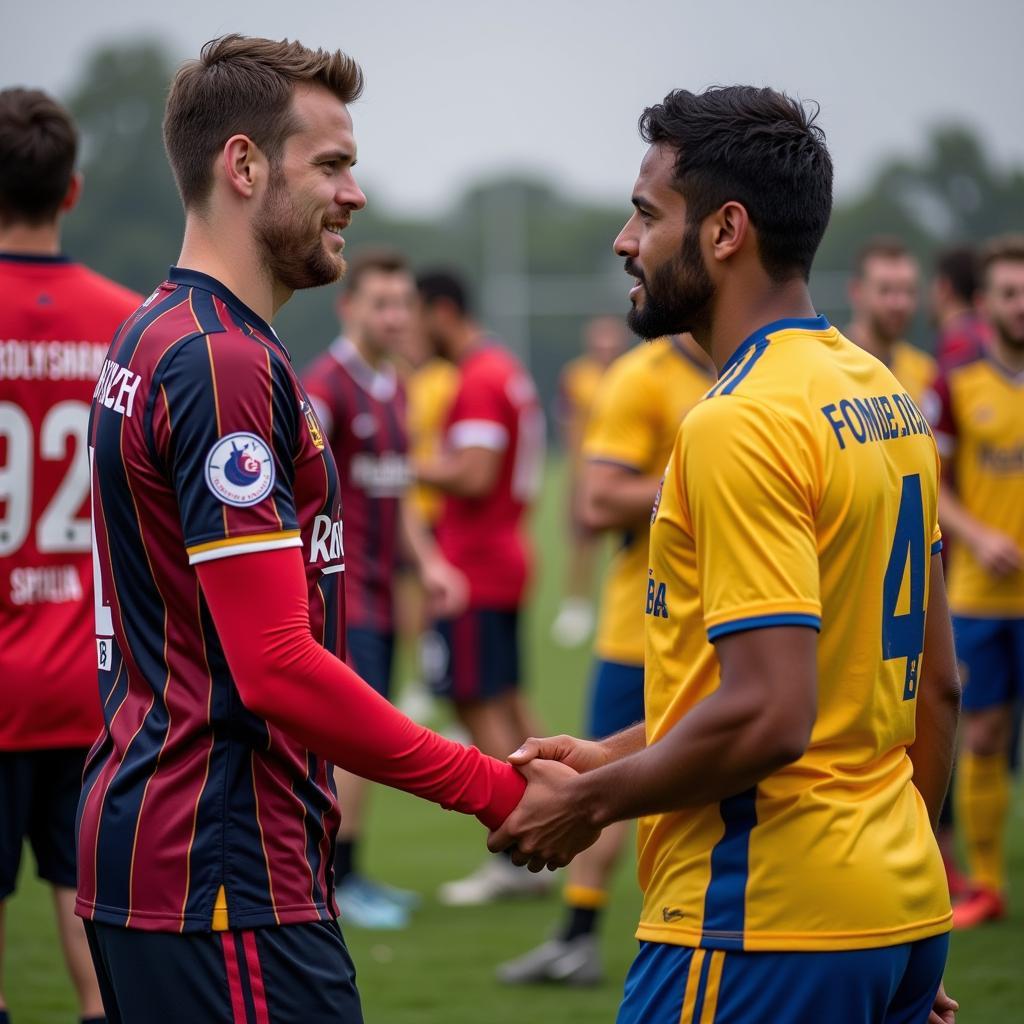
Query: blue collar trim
[799,323]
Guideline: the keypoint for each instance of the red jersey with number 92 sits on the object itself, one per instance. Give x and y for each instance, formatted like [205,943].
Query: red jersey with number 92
[56,321]
[495,407]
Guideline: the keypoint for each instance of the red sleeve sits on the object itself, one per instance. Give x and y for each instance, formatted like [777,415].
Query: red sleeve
[286,677]
[937,406]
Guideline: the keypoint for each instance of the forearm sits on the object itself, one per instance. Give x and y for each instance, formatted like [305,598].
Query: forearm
[618,503]
[934,746]
[285,676]
[622,744]
[417,541]
[673,773]
[955,521]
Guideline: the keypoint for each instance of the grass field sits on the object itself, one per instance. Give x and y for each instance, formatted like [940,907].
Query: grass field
[440,971]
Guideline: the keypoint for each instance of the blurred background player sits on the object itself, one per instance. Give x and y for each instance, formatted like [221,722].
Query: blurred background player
[962,330]
[637,411]
[490,470]
[884,296]
[980,429]
[56,319]
[357,395]
[604,339]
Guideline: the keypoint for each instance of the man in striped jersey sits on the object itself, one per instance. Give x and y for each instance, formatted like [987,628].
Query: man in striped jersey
[208,811]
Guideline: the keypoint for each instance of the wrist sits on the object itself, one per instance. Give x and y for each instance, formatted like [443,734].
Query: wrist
[591,800]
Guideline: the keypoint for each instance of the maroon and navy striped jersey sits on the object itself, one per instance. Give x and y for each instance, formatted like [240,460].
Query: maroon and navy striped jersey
[204,446]
[363,413]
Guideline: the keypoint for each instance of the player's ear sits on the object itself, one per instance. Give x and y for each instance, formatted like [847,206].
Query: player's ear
[73,194]
[243,165]
[730,228]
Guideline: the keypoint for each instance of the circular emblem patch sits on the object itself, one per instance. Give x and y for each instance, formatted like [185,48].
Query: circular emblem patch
[240,469]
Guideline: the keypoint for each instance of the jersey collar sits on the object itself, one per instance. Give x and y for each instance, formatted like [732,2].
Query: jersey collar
[379,384]
[197,279]
[37,258]
[792,323]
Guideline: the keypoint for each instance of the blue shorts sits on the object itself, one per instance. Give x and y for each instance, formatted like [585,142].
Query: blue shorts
[616,698]
[480,655]
[680,985]
[371,653]
[39,791]
[991,656]
[294,974]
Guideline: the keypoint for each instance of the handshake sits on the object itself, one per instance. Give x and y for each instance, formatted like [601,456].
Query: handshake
[558,816]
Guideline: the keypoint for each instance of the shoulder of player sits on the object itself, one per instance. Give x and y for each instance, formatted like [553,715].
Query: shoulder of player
[121,301]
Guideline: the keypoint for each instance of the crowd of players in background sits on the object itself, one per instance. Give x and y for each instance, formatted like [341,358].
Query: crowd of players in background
[439,439]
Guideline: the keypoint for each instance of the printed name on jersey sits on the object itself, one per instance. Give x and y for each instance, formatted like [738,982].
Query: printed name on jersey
[316,435]
[364,425]
[51,360]
[381,476]
[657,597]
[240,469]
[116,388]
[45,584]
[657,499]
[327,543]
[878,418]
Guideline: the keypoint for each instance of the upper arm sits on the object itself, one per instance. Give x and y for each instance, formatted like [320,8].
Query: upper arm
[479,432]
[225,426]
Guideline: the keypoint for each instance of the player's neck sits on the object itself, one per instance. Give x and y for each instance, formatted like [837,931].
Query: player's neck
[739,312]
[31,239]
[1011,356]
[870,341]
[369,355]
[233,261]
[952,312]
[464,341]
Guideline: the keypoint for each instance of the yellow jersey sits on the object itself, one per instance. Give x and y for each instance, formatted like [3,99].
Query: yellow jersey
[577,387]
[978,412]
[637,412]
[801,491]
[430,391]
[915,369]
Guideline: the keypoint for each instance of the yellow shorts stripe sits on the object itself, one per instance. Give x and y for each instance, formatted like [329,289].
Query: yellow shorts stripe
[692,985]
[707,1015]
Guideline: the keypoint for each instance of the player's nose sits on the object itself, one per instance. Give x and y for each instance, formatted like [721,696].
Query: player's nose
[626,241]
[350,194]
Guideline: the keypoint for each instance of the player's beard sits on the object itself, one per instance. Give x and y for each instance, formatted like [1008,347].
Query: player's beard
[677,297]
[1011,335]
[291,242]
[889,329]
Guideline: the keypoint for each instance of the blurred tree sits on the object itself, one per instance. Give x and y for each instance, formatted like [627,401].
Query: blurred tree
[129,222]
[539,259]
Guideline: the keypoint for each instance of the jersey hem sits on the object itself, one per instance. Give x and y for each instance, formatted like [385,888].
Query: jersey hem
[971,610]
[152,921]
[620,655]
[783,942]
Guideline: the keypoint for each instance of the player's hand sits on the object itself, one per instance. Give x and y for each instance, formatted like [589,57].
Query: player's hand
[446,587]
[943,1009]
[998,553]
[580,755]
[548,828]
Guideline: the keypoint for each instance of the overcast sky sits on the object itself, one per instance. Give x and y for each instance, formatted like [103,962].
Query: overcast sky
[459,88]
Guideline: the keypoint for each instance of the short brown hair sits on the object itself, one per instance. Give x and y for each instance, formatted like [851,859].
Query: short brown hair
[38,144]
[888,247]
[368,261]
[1003,249]
[243,85]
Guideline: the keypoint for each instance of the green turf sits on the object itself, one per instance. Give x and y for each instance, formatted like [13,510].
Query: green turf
[440,970]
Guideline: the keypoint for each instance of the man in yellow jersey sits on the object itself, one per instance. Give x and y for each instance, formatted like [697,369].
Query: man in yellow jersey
[605,338]
[884,294]
[636,415]
[800,683]
[980,428]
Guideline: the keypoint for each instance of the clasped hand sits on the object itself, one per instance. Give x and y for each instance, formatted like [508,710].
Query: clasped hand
[552,822]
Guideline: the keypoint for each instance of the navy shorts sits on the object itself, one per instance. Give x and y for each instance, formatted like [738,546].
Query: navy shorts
[679,985]
[480,655]
[371,653]
[991,656]
[294,974]
[616,698]
[39,792]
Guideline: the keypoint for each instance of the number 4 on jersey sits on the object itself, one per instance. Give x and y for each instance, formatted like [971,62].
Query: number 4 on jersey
[903,633]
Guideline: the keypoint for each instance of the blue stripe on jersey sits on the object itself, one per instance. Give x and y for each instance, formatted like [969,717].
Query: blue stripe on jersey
[733,382]
[725,899]
[313,824]
[763,622]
